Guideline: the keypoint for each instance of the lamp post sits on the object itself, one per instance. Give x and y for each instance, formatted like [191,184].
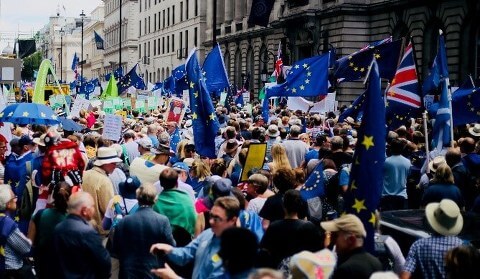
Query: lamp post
[81,62]
[62,32]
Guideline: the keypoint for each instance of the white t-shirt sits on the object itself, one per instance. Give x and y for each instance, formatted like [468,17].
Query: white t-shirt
[110,208]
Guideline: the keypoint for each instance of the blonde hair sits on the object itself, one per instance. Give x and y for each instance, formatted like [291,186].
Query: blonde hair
[279,157]
[181,149]
[443,174]
[200,170]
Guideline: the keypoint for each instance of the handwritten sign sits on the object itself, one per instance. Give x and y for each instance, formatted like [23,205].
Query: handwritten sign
[78,105]
[112,128]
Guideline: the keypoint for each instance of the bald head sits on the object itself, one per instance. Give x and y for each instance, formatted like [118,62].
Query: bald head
[81,204]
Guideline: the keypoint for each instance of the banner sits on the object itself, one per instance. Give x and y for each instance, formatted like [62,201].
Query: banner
[255,159]
[175,111]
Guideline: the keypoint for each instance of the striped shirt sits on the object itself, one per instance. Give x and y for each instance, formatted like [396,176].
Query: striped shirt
[18,245]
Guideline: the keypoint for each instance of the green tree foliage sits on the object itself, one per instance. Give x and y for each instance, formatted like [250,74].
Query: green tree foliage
[31,64]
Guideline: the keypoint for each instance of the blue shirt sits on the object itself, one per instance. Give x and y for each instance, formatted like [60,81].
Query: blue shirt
[428,255]
[312,154]
[204,251]
[396,170]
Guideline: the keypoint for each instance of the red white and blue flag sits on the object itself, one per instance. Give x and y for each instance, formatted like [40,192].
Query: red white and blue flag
[279,65]
[403,96]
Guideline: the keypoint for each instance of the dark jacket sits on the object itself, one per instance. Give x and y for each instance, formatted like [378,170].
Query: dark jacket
[133,237]
[80,250]
[358,264]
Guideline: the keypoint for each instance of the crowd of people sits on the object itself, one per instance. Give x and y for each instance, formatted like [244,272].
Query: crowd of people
[76,203]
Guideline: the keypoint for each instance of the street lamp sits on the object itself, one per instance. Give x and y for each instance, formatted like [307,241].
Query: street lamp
[264,76]
[62,32]
[81,62]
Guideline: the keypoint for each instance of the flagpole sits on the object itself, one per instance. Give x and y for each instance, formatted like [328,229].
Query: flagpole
[425,131]
[449,92]
[385,94]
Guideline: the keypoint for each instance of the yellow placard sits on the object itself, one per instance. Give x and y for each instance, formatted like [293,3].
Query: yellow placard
[122,113]
[255,159]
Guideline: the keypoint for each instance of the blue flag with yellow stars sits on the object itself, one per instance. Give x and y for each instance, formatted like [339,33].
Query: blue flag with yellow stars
[216,76]
[306,78]
[130,79]
[314,186]
[205,122]
[355,66]
[466,104]
[180,77]
[366,176]
[355,110]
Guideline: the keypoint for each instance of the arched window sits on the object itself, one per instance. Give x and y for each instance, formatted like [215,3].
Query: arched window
[158,75]
[163,73]
[250,67]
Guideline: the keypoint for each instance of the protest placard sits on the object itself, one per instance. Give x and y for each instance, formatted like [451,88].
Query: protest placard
[112,128]
[79,104]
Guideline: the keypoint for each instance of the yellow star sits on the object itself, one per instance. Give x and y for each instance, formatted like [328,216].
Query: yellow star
[25,113]
[354,185]
[17,218]
[368,142]
[355,69]
[302,87]
[350,57]
[294,90]
[377,55]
[194,115]
[297,66]
[1,114]
[195,94]
[472,109]
[359,205]
[351,64]
[212,116]
[309,74]
[192,84]
[307,81]
[305,65]
[362,69]
[2,251]
[373,219]
[43,115]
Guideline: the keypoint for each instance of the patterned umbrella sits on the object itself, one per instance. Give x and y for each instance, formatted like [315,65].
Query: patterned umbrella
[29,113]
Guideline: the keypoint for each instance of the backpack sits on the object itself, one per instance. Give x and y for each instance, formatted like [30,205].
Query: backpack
[382,252]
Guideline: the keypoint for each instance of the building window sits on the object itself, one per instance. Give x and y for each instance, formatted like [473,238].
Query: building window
[145,26]
[163,18]
[173,14]
[187,2]
[144,50]
[155,22]
[139,5]
[149,25]
[196,8]
[180,41]
[168,16]
[139,51]
[186,39]
[195,36]
[181,11]
[173,42]
[140,28]
[163,45]
[148,49]
[168,44]
[154,47]
[159,26]
[158,46]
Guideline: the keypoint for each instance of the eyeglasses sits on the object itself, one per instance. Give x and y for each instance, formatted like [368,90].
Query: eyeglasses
[216,218]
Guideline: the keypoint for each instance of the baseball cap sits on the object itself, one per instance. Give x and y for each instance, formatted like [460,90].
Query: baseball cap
[347,223]
[145,142]
[180,166]
[25,140]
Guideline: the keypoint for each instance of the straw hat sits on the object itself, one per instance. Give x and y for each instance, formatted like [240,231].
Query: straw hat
[444,217]
[106,155]
[475,130]
[437,161]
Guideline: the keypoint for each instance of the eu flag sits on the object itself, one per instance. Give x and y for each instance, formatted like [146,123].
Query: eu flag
[205,122]
[306,78]
[260,12]
[131,79]
[118,74]
[466,104]
[314,186]
[355,66]
[355,110]
[366,176]
[98,40]
[175,138]
[180,79]
[441,135]
[216,76]
[75,62]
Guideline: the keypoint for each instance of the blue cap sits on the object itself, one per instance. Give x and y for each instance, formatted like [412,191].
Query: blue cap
[181,166]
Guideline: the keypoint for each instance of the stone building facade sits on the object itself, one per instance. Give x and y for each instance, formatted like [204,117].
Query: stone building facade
[310,27]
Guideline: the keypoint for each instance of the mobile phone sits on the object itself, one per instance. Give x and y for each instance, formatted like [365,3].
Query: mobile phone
[161,258]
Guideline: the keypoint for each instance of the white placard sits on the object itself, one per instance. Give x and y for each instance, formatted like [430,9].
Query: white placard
[112,128]
[428,100]
[79,104]
[8,73]
[186,97]
[246,97]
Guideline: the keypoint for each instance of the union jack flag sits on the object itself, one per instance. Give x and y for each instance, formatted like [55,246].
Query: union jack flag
[403,96]
[279,65]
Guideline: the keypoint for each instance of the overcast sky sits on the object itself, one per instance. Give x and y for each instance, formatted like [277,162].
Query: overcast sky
[29,16]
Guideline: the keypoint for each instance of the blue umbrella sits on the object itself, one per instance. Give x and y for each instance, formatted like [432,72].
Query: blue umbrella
[70,125]
[29,113]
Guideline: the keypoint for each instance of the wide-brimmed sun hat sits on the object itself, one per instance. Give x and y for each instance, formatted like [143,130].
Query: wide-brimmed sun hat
[106,155]
[444,217]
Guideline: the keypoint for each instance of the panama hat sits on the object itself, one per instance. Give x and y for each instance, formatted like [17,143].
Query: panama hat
[106,155]
[437,161]
[475,130]
[231,145]
[307,264]
[444,217]
[273,131]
